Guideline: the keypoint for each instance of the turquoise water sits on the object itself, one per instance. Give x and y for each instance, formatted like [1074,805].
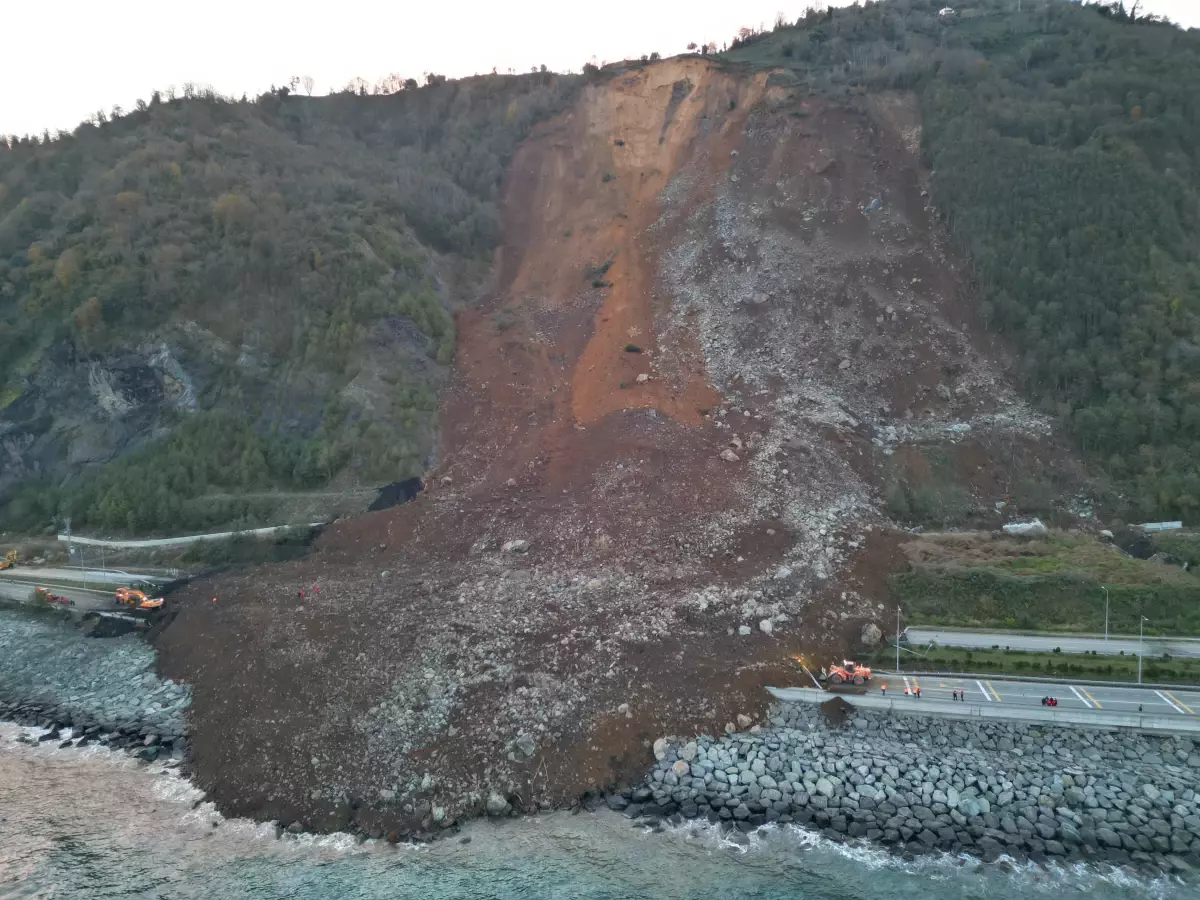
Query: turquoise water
[90,824]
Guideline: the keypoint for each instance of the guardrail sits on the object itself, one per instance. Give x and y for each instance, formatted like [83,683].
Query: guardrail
[1145,723]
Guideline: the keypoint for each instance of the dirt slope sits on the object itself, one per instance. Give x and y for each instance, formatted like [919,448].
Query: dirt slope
[766,260]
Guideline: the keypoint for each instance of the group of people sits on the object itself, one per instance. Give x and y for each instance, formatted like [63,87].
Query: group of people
[1049,701]
[958,695]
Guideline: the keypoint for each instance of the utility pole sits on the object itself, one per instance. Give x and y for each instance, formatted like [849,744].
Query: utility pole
[1141,625]
[897,640]
[1103,588]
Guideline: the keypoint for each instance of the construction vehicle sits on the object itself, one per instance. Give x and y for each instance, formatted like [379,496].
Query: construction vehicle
[9,561]
[136,599]
[849,672]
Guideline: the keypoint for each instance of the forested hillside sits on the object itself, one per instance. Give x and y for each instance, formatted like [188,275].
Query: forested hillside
[1064,142]
[278,274]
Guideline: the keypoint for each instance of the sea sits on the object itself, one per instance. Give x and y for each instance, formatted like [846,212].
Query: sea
[91,823]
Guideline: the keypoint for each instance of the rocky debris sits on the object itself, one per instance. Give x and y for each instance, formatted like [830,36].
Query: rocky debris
[52,675]
[517,546]
[871,635]
[729,456]
[919,785]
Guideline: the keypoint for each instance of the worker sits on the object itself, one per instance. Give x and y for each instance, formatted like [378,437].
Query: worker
[918,690]
[906,692]
[883,689]
[300,594]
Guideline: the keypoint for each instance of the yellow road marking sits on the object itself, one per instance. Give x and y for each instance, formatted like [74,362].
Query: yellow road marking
[1180,702]
[993,690]
[1087,694]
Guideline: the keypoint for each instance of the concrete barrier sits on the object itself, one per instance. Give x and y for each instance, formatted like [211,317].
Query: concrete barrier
[1098,719]
[182,539]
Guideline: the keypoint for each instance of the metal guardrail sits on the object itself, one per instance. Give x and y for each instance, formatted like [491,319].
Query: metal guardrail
[1145,723]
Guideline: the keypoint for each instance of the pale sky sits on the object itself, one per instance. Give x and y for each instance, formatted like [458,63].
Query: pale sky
[65,59]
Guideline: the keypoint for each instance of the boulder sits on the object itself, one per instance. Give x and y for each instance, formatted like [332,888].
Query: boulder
[496,805]
[517,546]
[871,635]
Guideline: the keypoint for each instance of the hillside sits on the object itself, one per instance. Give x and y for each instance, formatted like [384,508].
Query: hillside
[744,329]
[214,296]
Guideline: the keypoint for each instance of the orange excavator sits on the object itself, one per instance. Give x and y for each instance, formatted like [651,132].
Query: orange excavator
[136,599]
[9,560]
[849,671]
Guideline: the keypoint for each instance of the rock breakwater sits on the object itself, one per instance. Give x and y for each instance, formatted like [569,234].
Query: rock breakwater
[104,690]
[918,785]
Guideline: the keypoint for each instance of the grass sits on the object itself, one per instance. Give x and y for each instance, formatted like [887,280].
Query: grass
[1055,665]
[1049,585]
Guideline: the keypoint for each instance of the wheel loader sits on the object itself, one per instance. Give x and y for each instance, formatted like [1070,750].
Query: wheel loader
[849,672]
[9,561]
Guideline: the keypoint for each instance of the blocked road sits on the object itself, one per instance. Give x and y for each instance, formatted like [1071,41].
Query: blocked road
[1030,693]
[84,599]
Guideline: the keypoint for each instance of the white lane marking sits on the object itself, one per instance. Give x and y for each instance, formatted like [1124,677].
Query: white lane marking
[907,687]
[983,690]
[1175,706]
[1082,698]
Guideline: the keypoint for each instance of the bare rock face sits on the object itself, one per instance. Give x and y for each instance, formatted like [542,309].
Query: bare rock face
[871,635]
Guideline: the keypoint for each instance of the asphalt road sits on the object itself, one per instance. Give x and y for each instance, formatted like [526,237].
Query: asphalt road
[984,640]
[1028,693]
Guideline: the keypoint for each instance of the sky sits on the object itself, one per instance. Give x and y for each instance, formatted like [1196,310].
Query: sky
[80,56]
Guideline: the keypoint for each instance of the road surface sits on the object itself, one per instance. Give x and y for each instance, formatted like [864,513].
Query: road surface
[1114,698]
[1114,646]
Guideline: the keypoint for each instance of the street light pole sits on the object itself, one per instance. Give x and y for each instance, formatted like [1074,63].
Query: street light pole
[1103,588]
[897,640]
[1141,629]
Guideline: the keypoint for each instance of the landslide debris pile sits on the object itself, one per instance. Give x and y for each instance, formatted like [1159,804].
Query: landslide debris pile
[922,784]
[653,491]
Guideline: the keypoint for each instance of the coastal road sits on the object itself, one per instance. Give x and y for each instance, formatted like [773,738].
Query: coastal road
[1113,698]
[1114,646]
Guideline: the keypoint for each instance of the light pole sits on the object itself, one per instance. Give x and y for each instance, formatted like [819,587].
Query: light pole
[897,640]
[1141,627]
[1103,588]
